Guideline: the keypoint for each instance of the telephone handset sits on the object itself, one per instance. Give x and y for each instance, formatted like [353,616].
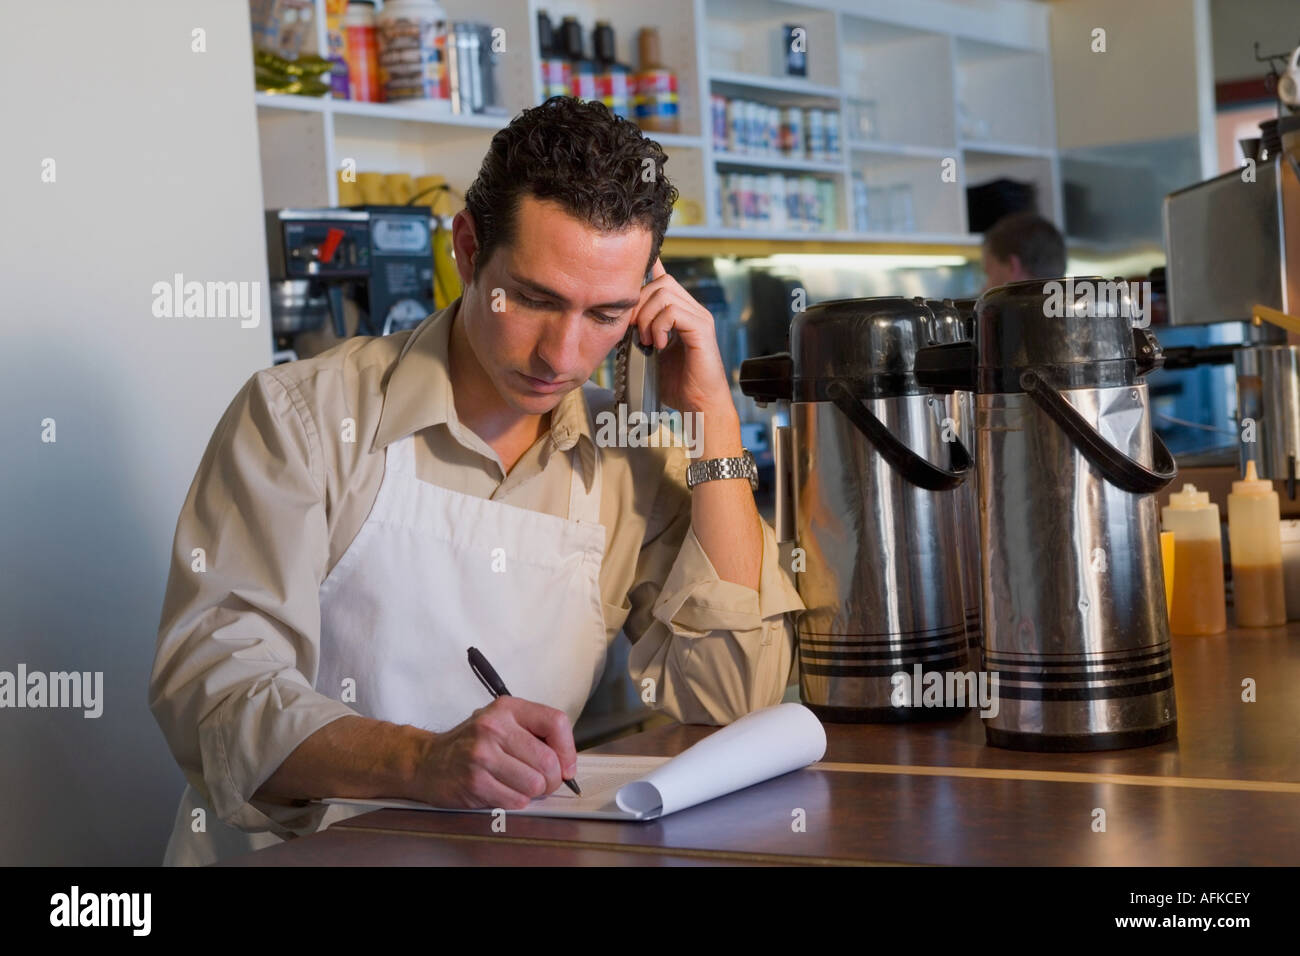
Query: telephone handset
[636,372]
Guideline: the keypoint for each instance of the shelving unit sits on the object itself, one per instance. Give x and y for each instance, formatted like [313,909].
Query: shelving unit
[913,89]
[760,161]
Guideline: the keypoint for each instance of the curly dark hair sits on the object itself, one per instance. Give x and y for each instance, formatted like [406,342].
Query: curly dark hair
[579,154]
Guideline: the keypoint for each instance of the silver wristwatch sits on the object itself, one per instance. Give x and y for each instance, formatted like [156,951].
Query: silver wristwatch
[712,469]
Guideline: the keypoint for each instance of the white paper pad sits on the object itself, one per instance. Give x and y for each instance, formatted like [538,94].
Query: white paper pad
[759,746]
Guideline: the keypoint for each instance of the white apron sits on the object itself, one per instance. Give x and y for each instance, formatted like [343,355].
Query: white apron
[431,573]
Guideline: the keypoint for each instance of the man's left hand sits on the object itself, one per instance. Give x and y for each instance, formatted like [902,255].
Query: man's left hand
[692,377]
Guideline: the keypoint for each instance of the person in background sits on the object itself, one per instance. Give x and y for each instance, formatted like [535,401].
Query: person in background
[1022,246]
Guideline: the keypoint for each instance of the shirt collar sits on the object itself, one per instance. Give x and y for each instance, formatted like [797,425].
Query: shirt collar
[418,395]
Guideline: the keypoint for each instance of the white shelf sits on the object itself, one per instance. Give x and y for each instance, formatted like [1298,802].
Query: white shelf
[401,112]
[839,235]
[411,113]
[416,113]
[756,161]
[1005,149]
[876,58]
[1006,91]
[775,84]
[692,232]
[795,236]
[290,101]
[670,140]
[901,149]
[741,39]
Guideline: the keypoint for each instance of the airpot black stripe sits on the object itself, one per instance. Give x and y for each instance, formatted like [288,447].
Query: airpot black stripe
[1076,661]
[835,641]
[1050,677]
[883,670]
[1085,693]
[904,649]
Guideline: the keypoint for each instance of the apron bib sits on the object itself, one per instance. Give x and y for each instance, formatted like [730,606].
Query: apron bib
[431,573]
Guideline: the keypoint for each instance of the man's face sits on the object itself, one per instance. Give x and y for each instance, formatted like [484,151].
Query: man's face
[547,308]
[1001,271]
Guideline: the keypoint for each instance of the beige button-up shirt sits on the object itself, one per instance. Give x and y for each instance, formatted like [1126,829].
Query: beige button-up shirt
[287,481]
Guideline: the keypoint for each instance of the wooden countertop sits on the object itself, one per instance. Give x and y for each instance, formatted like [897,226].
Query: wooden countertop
[1225,792]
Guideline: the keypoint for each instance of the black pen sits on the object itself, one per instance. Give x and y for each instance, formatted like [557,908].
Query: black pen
[484,672]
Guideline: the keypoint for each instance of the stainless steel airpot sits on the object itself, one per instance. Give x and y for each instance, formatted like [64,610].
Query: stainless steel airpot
[1075,623]
[875,497]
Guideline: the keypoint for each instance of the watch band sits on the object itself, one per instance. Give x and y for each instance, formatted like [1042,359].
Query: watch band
[714,469]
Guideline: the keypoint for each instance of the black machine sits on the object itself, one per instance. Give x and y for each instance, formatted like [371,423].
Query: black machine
[380,256]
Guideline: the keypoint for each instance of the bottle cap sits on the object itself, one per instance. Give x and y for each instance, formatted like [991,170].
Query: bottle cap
[647,41]
[1189,498]
[545,34]
[603,41]
[571,38]
[1252,484]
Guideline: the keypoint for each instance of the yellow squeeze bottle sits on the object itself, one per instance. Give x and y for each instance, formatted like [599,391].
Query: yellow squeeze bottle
[1255,537]
[1198,605]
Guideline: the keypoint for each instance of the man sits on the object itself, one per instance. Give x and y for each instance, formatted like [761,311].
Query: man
[366,515]
[1022,246]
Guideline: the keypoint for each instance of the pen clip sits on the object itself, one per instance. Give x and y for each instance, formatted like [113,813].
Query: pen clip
[473,665]
[482,680]
[486,673]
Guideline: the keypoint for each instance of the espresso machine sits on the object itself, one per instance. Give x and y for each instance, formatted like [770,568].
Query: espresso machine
[873,491]
[1233,250]
[378,257]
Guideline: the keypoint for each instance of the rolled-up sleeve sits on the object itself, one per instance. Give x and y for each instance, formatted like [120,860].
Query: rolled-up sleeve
[239,640]
[716,650]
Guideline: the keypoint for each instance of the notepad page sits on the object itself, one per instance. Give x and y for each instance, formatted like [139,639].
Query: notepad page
[753,749]
[599,776]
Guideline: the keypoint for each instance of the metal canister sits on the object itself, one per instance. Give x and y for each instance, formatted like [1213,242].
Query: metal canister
[811,202]
[762,202]
[826,205]
[779,209]
[794,207]
[735,126]
[792,131]
[1075,622]
[753,127]
[831,128]
[718,115]
[814,135]
[874,498]
[1268,398]
[732,211]
[748,200]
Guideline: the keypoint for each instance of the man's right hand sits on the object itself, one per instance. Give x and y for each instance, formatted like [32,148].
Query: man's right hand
[495,759]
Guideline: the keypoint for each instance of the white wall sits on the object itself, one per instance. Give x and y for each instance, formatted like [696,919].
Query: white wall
[156,172]
[1239,23]
[1143,88]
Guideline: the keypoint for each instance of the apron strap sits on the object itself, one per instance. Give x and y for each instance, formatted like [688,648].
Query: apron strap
[399,457]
